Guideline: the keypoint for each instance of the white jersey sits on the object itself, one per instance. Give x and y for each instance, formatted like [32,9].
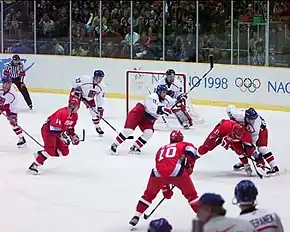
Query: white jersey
[222,223]
[263,221]
[89,90]
[174,89]
[152,104]
[239,116]
[9,99]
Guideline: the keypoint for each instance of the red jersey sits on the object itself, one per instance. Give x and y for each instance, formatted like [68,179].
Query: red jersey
[169,160]
[243,146]
[61,121]
[224,128]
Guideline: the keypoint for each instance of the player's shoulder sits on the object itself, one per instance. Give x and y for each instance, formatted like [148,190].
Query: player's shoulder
[7,64]
[153,96]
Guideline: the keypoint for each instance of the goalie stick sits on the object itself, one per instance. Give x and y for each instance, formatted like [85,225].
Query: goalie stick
[199,80]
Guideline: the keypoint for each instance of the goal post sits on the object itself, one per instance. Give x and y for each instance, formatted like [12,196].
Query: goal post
[139,84]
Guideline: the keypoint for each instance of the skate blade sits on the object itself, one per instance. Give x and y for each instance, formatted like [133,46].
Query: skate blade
[31,172]
[21,146]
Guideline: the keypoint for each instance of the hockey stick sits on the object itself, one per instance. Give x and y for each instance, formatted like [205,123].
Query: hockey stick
[199,80]
[109,124]
[24,131]
[146,216]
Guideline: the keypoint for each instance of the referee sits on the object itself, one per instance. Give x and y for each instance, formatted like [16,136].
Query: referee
[15,70]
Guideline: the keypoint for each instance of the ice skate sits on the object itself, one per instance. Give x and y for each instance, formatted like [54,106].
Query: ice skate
[238,167]
[114,148]
[21,142]
[134,221]
[248,169]
[33,169]
[100,131]
[273,171]
[135,150]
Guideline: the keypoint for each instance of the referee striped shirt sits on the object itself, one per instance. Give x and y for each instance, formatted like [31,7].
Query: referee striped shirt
[14,70]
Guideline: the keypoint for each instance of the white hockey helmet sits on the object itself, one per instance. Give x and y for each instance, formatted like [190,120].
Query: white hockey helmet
[229,110]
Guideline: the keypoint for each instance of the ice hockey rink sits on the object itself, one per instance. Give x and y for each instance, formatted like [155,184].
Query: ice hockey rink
[93,191]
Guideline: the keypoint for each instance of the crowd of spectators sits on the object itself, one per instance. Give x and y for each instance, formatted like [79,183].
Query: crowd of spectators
[214,29]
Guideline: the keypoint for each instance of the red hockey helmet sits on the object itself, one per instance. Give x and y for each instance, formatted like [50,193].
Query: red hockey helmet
[176,136]
[238,131]
[73,102]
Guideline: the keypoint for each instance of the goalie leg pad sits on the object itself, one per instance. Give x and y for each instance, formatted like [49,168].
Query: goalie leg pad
[183,117]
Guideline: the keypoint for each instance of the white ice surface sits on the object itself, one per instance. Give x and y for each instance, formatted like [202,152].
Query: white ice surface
[92,191]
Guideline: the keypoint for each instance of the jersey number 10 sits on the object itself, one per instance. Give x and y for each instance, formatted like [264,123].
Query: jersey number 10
[168,151]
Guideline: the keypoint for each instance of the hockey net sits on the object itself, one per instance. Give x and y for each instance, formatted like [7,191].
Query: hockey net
[139,84]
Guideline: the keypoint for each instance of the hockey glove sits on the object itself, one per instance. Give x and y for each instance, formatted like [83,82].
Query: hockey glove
[164,110]
[181,98]
[167,192]
[13,119]
[75,140]
[77,92]
[226,143]
[258,159]
[64,137]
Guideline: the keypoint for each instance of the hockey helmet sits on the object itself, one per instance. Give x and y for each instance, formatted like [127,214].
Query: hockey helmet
[251,114]
[229,110]
[176,136]
[170,75]
[238,131]
[74,102]
[245,193]
[159,225]
[15,59]
[98,76]
[161,88]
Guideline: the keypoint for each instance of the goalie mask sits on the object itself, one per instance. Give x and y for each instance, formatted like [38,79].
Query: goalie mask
[170,75]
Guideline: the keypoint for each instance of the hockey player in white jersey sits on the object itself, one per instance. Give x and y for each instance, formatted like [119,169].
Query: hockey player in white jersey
[175,90]
[259,133]
[144,115]
[9,107]
[212,214]
[264,221]
[91,91]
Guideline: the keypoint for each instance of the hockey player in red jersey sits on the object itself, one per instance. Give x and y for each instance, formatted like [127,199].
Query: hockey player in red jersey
[144,116]
[9,108]
[230,134]
[174,164]
[57,133]
[215,137]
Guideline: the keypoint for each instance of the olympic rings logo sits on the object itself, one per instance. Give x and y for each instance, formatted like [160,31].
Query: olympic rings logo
[248,84]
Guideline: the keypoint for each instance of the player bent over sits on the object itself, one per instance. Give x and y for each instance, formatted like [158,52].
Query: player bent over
[175,90]
[230,134]
[265,221]
[259,133]
[8,106]
[144,115]
[57,133]
[91,91]
[174,164]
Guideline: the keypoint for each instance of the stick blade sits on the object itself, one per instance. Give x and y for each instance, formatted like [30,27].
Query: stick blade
[146,216]
[84,135]
[211,61]
[130,137]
